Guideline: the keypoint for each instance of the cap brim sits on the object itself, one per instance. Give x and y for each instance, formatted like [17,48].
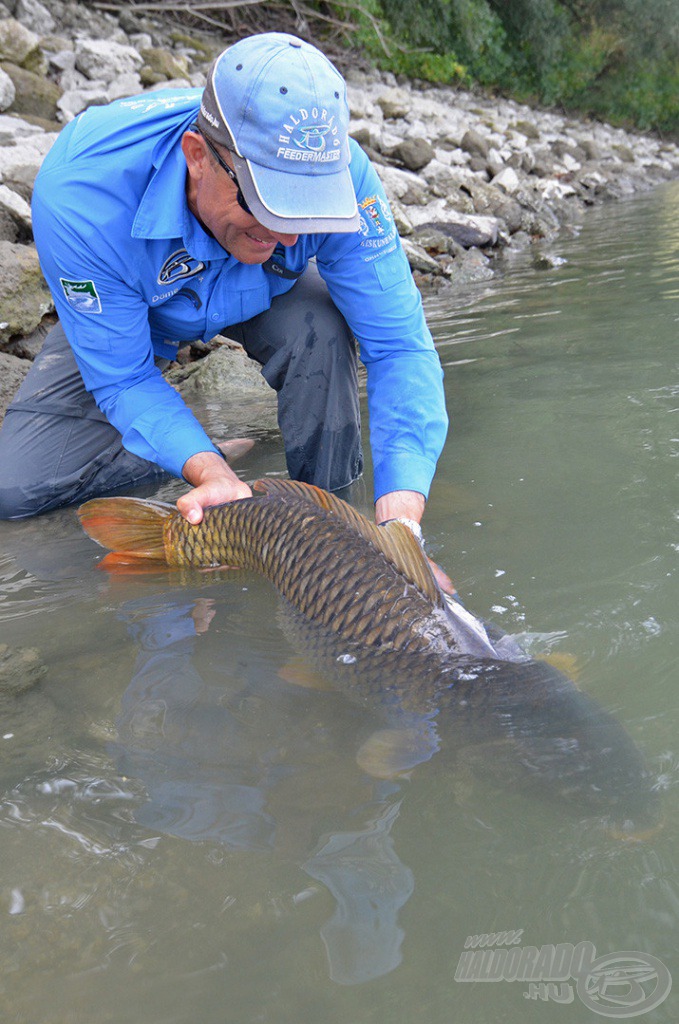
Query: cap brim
[298,204]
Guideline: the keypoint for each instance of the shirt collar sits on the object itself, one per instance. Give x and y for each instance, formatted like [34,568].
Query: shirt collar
[163,211]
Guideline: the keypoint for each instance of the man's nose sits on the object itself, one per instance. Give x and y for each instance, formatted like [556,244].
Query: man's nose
[285,239]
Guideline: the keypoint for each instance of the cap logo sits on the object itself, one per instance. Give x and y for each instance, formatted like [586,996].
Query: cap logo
[308,134]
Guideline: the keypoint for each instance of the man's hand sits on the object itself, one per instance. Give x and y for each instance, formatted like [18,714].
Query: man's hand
[410,505]
[214,482]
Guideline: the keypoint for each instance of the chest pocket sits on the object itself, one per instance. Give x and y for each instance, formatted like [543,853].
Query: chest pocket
[181,318]
[254,301]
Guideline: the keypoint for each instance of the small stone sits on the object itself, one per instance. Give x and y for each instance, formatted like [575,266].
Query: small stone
[475,144]
[7,90]
[395,103]
[548,261]
[419,258]
[528,129]
[414,154]
[508,180]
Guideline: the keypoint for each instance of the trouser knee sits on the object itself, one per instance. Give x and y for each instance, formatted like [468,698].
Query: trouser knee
[308,355]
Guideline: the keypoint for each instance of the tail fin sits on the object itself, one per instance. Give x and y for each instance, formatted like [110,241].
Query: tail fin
[131,528]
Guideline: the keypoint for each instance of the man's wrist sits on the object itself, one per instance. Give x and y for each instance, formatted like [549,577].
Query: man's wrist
[204,465]
[400,504]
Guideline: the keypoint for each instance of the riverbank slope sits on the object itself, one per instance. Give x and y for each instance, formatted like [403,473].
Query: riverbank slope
[470,178]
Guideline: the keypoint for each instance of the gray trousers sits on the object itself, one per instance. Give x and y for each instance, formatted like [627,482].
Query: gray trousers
[57,448]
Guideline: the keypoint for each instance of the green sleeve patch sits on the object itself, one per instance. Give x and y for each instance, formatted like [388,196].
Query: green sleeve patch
[81,295]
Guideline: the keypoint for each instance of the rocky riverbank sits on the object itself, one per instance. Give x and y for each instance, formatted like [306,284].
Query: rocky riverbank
[469,177]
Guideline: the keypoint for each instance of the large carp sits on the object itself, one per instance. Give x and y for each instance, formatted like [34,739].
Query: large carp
[363,605]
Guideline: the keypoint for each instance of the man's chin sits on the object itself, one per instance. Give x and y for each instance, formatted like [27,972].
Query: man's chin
[253,258]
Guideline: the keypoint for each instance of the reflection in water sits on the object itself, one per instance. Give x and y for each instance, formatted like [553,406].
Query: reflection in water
[206,777]
[194,768]
[369,882]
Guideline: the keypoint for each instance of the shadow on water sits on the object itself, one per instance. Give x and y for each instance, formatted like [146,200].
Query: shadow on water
[186,832]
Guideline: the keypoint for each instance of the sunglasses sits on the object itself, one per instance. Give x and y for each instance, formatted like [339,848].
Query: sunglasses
[242,202]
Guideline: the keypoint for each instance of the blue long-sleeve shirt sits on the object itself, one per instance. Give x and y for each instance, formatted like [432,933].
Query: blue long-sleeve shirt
[133,274]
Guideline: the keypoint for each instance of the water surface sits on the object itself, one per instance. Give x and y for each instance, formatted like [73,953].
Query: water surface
[185,832]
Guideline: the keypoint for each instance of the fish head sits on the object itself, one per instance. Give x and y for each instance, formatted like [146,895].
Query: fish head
[544,735]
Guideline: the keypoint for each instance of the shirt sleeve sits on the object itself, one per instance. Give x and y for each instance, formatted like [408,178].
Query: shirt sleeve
[370,281]
[106,322]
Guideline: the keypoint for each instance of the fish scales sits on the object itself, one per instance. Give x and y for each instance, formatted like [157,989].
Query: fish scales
[314,559]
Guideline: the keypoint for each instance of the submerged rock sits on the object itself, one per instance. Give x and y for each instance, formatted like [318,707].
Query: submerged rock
[20,670]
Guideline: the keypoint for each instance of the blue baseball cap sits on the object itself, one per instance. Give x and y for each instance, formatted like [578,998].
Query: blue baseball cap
[280,106]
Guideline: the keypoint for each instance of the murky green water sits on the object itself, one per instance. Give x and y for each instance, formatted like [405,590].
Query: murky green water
[185,834]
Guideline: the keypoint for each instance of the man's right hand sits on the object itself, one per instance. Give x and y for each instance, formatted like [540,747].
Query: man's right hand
[214,482]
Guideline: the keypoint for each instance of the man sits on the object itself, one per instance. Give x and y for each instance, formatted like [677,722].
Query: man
[168,217]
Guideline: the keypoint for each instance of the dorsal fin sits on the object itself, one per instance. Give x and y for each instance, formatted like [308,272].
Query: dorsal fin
[396,542]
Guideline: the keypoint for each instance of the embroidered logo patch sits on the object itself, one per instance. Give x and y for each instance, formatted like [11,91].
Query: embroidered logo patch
[81,295]
[310,135]
[179,265]
[376,217]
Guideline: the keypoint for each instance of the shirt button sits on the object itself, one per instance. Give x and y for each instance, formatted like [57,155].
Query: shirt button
[215,317]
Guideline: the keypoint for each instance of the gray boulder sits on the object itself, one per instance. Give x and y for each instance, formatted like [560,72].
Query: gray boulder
[35,95]
[14,208]
[405,186]
[419,258]
[102,60]
[12,373]
[7,91]
[245,399]
[34,16]
[17,43]
[474,143]
[469,231]
[24,295]
[414,153]
[394,103]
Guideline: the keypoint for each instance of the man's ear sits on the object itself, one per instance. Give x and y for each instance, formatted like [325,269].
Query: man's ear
[195,153]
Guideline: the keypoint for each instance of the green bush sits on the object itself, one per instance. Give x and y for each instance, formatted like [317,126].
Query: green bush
[615,59]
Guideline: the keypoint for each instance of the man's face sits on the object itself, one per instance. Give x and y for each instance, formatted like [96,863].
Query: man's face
[211,196]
